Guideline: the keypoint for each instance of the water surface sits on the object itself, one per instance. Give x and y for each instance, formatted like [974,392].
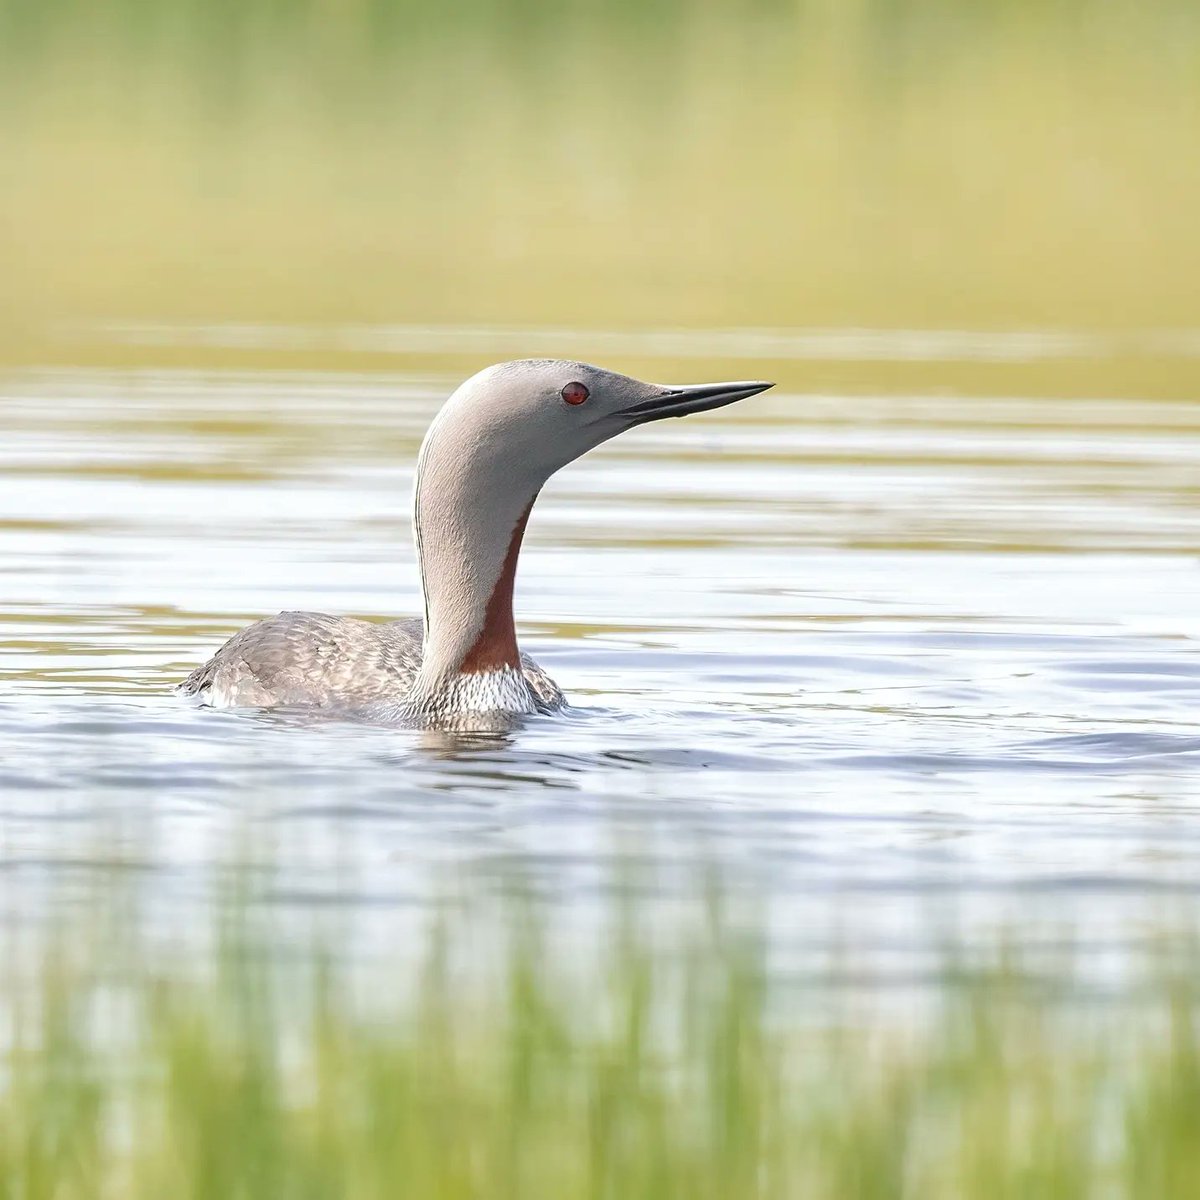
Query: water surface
[894,660]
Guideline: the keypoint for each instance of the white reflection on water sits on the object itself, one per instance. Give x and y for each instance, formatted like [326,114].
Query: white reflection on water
[858,345]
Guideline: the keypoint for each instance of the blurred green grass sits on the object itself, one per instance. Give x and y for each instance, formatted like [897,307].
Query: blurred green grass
[640,1066]
[920,163]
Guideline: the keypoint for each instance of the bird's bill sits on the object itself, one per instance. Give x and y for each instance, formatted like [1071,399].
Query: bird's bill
[691,398]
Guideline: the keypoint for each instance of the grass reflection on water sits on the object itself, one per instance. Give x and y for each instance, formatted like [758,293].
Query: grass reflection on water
[671,1064]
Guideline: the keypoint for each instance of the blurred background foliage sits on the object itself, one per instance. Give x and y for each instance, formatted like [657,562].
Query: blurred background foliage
[923,163]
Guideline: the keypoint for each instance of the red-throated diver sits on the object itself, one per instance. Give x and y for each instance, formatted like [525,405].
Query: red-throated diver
[486,455]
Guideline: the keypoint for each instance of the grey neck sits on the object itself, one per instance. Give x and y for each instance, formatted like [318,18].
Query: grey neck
[469,515]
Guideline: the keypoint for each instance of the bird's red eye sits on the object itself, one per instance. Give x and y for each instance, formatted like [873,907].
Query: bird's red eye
[575,393]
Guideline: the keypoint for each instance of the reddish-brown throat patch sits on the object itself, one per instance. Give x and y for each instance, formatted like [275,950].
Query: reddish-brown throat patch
[496,645]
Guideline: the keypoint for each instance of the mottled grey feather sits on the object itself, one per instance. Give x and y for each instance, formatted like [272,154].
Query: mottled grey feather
[308,659]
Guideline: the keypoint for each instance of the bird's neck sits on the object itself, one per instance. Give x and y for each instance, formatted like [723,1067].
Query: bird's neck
[494,647]
[469,523]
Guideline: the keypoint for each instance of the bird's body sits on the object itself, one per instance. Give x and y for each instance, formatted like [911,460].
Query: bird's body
[486,455]
[312,659]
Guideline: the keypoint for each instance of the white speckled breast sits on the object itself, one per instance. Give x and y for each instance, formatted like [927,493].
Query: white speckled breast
[483,701]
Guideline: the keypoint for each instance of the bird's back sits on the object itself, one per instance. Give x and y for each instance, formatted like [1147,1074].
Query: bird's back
[309,659]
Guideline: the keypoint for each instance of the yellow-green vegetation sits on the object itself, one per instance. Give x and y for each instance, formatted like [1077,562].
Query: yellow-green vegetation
[608,1064]
[925,163]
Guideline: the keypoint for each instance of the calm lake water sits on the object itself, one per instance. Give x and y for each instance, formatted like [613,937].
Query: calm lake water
[898,662]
